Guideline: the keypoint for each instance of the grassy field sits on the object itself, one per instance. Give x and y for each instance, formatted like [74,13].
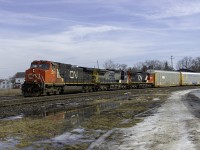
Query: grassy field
[10,92]
[28,131]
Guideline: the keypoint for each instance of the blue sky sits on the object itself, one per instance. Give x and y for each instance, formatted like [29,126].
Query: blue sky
[83,31]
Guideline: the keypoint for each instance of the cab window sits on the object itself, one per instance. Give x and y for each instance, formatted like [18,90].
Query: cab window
[53,67]
[34,65]
[43,66]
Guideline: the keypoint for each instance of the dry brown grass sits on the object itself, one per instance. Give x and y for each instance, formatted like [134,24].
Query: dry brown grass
[10,92]
[28,130]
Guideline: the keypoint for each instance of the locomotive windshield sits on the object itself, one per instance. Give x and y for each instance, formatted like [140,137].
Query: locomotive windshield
[43,66]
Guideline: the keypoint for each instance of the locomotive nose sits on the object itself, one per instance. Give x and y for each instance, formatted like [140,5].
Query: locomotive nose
[34,75]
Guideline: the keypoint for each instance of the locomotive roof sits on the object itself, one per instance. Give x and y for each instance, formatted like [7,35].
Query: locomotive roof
[153,71]
[41,61]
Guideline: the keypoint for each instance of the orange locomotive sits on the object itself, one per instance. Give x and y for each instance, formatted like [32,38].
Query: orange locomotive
[40,73]
[46,77]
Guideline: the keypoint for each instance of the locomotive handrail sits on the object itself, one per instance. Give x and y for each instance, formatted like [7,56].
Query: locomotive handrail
[42,80]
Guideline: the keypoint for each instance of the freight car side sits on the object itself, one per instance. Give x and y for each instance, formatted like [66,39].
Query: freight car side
[190,78]
[165,78]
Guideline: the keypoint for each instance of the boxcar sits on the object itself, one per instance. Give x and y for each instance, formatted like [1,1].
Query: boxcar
[165,78]
[190,78]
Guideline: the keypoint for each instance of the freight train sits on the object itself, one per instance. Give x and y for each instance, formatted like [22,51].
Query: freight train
[47,77]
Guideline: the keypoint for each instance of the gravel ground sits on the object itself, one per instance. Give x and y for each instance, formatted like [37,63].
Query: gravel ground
[174,126]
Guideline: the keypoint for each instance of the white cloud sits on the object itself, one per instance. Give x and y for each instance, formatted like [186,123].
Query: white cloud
[5,1]
[123,30]
[52,2]
[67,47]
[172,8]
[81,30]
[13,18]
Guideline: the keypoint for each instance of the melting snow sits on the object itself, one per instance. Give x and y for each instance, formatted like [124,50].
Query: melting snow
[172,128]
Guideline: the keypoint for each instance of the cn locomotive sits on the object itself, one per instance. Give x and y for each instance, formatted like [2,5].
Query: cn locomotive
[47,77]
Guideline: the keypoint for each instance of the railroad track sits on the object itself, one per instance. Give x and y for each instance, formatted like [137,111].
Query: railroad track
[43,99]
[19,100]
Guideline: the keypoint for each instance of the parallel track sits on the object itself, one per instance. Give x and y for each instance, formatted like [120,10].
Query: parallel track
[33,100]
[43,99]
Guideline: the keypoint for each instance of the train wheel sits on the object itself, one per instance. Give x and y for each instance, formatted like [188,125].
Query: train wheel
[101,88]
[90,89]
[61,92]
[108,88]
[87,89]
[25,94]
[83,89]
[36,94]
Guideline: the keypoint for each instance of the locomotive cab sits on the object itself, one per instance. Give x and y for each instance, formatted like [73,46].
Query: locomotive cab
[39,73]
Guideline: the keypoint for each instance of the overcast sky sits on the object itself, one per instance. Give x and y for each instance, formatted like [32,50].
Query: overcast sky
[83,31]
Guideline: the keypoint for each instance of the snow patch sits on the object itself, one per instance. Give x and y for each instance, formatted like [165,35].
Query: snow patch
[156,99]
[13,118]
[167,129]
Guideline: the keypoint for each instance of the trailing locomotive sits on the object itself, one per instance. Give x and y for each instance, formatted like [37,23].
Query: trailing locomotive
[47,77]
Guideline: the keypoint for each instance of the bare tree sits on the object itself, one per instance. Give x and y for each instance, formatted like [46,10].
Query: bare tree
[196,64]
[152,64]
[121,67]
[167,66]
[109,64]
[137,67]
[185,63]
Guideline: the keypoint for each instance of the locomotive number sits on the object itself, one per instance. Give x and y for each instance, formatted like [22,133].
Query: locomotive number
[73,74]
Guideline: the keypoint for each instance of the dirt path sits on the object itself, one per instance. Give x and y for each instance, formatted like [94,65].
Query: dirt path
[173,127]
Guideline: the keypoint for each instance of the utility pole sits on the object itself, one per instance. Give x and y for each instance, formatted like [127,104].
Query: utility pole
[172,61]
[98,64]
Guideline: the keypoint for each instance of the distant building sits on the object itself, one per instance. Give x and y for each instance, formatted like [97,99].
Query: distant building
[19,79]
[6,84]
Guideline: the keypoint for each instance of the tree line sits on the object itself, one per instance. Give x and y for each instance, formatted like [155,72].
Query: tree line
[188,63]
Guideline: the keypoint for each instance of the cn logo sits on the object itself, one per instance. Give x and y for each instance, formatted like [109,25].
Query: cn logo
[139,78]
[73,74]
[32,76]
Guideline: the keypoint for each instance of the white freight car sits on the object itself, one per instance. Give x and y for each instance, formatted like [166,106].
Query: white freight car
[165,78]
[190,78]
